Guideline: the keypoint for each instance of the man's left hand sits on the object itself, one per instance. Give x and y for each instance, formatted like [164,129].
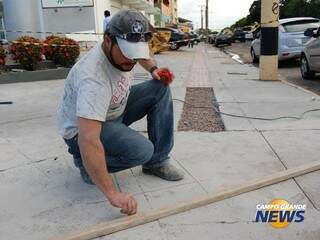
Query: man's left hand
[155,74]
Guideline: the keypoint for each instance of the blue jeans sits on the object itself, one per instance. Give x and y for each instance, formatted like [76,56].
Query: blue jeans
[126,148]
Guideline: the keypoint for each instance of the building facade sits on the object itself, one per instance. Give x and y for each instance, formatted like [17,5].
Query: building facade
[185,25]
[168,15]
[66,15]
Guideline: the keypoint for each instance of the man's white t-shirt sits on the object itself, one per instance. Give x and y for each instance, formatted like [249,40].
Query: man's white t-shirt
[94,89]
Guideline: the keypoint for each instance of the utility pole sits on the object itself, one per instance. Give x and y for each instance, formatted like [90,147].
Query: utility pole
[207,17]
[269,40]
[201,17]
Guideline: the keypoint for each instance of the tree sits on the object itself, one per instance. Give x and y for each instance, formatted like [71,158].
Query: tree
[314,8]
[240,23]
[294,8]
[288,8]
[254,12]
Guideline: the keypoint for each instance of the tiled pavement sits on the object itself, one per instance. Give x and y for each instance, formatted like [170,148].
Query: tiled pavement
[42,194]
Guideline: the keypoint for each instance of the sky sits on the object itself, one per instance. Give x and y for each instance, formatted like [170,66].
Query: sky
[222,13]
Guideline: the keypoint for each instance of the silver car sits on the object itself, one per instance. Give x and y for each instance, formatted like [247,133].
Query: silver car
[291,38]
[310,56]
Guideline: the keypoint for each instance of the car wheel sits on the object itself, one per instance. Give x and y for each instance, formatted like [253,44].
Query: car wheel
[174,46]
[254,57]
[305,69]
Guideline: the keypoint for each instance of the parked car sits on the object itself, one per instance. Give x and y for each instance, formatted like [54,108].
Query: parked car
[194,37]
[248,33]
[4,42]
[178,38]
[239,35]
[291,38]
[310,56]
[223,38]
[212,38]
[249,36]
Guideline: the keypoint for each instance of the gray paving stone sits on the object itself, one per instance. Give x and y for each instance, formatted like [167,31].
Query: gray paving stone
[234,123]
[283,109]
[232,219]
[43,195]
[149,183]
[296,148]
[171,196]
[49,198]
[225,159]
[36,139]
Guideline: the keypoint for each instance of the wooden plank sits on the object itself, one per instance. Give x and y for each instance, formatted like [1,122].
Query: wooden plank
[143,218]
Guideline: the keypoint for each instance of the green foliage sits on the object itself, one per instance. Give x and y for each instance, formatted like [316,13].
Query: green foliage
[288,9]
[240,23]
[254,12]
[294,8]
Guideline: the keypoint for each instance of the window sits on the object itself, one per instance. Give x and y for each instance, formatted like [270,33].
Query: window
[300,26]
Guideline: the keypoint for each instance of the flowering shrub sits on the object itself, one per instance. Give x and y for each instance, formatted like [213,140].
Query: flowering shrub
[47,51]
[27,51]
[2,56]
[63,51]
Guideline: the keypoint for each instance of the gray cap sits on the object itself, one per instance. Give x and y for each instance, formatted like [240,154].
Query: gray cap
[126,21]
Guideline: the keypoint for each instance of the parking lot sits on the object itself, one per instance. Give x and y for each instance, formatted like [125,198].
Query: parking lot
[289,70]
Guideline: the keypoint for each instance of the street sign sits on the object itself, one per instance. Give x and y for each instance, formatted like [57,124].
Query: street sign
[66,3]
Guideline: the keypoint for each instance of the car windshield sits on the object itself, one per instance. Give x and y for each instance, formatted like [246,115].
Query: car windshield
[300,26]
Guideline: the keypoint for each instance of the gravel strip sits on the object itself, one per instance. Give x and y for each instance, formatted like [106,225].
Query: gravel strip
[198,112]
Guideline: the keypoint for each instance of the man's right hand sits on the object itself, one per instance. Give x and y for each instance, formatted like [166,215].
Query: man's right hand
[125,201]
[93,154]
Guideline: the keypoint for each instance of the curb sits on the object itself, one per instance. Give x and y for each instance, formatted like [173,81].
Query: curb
[283,80]
[33,76]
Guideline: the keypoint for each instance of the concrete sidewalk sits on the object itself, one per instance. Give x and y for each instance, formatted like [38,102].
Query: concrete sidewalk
[42,194]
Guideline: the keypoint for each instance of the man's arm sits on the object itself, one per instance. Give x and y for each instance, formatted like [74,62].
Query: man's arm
[93,155]
[148,64]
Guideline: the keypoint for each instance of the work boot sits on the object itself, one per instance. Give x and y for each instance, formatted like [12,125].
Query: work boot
[83,172]
[167,172]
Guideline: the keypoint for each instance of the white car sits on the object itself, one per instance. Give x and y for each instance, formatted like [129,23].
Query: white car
[249,36]
[310,56]
[291,38]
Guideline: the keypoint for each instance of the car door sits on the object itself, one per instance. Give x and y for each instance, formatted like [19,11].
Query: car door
[256,44]
[314,49]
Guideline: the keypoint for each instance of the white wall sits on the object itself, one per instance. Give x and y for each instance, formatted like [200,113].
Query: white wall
[71,20]
[28,15]
[21,15]
[100,7]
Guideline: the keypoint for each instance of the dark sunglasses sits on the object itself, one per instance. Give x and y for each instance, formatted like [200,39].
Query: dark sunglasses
[136,37]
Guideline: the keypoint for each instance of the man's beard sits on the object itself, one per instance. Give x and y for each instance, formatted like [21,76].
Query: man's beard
[114,64]
[125,70]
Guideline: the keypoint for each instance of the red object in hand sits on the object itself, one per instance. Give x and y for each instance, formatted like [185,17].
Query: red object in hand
[166,76]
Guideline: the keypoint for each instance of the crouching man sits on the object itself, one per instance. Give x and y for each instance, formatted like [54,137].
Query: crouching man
[98,106]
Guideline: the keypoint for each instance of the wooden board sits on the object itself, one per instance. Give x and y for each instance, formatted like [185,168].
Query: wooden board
[143,218]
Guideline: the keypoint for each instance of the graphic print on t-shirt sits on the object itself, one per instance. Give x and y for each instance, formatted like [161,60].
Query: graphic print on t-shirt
[119,97]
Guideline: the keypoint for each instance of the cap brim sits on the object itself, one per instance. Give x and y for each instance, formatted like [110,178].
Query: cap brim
[139,50]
